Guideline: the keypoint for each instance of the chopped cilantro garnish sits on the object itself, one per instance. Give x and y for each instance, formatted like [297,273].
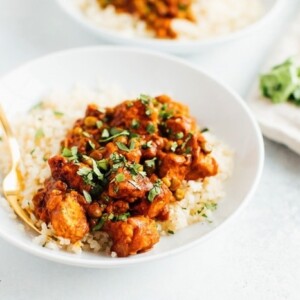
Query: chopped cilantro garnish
[135,124]
[145,99]
[150,128]
[148,112]
[122,217]
[186,140]
[102,110]
[171,232]
[165,115]
[87,196]
[91,144]
[124,132]
[174,146]
[99,124]
[70,154]
[86,134]
[134,168]
[204,130]
[211,206]
[155,191]
[120,177]
[103,164]
[102,221]
[131,145]
[147,145]
[84,171]
[86,174]
[99,225]
[97,171]
[188,150]
[150,163]
[143,173]
[66,152]
[105,133]
[134,135]
[115,130]
[179,135]
[118,161]
[122,146]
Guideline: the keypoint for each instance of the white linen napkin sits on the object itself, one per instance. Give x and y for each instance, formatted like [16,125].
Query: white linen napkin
[280,122]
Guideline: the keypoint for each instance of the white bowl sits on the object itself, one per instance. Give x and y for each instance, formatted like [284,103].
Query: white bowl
[171,46]
[214,105]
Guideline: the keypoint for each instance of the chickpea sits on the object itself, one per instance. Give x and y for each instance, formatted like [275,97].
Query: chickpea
[77,131]
[166,181]
[94,210]
[90,121]
[96,154]
[88,161]
[175,184]
[179,194]
[168,145]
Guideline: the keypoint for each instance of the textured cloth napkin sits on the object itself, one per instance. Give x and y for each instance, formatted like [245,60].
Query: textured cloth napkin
[280,122]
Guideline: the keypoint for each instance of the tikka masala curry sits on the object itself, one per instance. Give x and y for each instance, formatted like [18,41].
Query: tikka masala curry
[118,170]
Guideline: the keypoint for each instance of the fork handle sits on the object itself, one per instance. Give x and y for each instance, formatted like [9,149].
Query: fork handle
[12,142]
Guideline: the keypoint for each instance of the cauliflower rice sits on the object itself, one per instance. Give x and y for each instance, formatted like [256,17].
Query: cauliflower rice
[51,118]
[213,18]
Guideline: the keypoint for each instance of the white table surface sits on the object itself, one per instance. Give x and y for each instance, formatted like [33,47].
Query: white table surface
[257,256]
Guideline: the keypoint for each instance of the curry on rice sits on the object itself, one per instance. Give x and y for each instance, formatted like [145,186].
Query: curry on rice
[157,14]
[120,168]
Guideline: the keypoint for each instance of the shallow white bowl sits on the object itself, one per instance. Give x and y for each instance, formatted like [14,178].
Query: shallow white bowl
[213,104]
[171,46]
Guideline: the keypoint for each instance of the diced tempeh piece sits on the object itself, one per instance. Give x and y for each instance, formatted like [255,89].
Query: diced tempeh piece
[136,234]
[66,215]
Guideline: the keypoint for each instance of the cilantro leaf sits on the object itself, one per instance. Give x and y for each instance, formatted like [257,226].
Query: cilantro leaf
[155,191]
[120,177]
[87,196]
[122,146]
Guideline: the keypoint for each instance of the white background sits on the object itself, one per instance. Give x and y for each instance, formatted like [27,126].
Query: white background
[257,256]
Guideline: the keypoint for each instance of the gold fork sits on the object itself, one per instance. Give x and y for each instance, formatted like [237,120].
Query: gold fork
[12,183]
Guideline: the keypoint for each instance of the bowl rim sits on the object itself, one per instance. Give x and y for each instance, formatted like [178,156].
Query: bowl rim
[76,260]
[164,45]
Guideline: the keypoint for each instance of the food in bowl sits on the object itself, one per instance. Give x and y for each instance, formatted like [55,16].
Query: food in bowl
[176,19]
[119,177]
